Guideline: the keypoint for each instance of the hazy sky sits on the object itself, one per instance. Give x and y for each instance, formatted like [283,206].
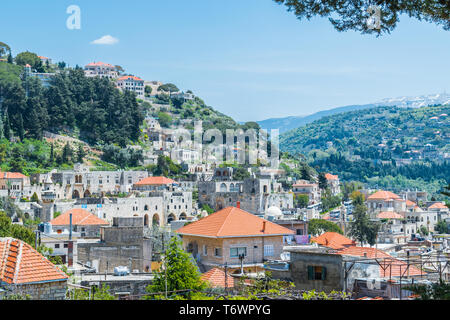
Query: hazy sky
[250,59]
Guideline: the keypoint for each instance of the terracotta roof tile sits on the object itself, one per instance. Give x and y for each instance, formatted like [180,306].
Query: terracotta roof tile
[80,217]
[389,215]
[330,176]
[383,195]
[333,240]
[12,175]
[390,267]
[438,205]
[233,222]
[216,277]
[155,181]
[30,267]
[129,77]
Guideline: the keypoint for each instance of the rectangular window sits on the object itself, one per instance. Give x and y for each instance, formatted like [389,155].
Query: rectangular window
[205,250]
[57,246]
[218,252]
[317,273]
[235,252]
[66,245]
[268,250]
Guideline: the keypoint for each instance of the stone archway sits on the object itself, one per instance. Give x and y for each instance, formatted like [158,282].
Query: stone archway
[155,219]
[146,220]
[182,216]
[75,194]
[171,218]
[87,194]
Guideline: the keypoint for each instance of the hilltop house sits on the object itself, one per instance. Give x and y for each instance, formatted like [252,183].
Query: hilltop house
[25,271]
[101,69]
[231,234]
[333,183]
[312,190]
[132,83]
[385,201]
[14,182]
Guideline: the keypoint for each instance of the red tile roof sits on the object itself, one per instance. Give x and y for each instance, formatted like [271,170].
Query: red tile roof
[21,264]
[129,77]
[389,266]
[383,195]
[329,176]
[233,222]
[151,181]
[438,205]
[333,240]
[410,203]
[80,217]
[389,215]
[12,175]
[216,278]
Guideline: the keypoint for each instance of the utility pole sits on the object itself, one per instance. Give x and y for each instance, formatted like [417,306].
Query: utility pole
[226,278]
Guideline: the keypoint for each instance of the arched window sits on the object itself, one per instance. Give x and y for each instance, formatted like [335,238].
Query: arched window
[223,187]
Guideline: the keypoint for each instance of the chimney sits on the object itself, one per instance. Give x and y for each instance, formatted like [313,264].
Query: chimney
[264,226]
[238,205]
[365,254]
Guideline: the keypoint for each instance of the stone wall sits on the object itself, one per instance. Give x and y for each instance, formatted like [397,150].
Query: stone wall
[43,291]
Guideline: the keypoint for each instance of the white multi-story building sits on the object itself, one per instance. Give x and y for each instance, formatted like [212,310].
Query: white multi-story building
[101,69]
[132,83]
[312,190]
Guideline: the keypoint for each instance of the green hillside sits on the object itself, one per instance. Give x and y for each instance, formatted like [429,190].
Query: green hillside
[370,146]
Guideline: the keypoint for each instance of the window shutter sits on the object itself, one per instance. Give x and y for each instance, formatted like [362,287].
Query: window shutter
[310,273]
[324,273]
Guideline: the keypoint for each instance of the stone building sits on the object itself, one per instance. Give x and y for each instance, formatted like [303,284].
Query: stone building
[122,244]
[254,195]
[84,222]
[222,237]
[25,271]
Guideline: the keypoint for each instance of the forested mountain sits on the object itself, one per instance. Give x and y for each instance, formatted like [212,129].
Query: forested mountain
[380,146]
[288,123]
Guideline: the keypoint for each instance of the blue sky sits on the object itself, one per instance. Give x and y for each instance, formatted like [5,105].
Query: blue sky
[249,59]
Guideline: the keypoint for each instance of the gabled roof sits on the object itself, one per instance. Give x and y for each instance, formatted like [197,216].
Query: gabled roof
[333,240]
[216,278]
[390,267]
[330,176]
[21,264]
[410,203]
[80,217]
[233,222]
[389,215]
[438,205]
[12,175]
[383,195]
[150,181]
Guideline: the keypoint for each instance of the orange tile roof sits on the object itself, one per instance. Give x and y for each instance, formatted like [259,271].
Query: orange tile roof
[80,217]
[438,205]
[383,195]
[388,267]
[155,181]
[389,215]
[129,77]
[216,278]
[21,264]
[330,176]
[333,240]
[410,203]
[12,175]
[233,222]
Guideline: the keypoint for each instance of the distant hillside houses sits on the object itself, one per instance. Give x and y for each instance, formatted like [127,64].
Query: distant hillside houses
[101,69]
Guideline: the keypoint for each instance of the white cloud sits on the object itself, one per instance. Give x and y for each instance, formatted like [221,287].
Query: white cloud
[106,40]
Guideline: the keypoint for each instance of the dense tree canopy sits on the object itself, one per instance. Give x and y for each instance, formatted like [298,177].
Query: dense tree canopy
[353,15]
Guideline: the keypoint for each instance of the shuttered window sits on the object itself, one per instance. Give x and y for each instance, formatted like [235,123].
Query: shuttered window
[317,273]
